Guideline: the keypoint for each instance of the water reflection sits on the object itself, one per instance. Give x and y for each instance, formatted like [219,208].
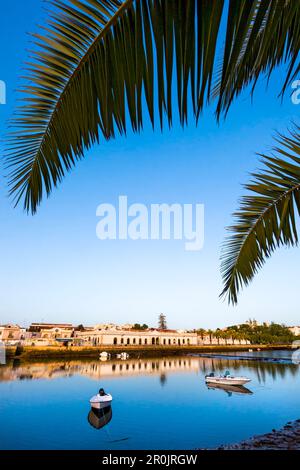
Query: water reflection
[100,418]
[262,370]
[230,389]
[161,367]
[150,399]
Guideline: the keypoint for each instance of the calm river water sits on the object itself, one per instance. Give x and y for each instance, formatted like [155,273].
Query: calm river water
[157,403]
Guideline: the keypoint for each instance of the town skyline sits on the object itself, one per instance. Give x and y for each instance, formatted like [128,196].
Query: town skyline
[58,321]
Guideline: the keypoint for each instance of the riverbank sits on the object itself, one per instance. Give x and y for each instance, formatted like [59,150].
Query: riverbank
[286,438]
[81,352]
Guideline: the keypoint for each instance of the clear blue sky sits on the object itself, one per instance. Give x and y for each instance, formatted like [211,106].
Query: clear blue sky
[53,267]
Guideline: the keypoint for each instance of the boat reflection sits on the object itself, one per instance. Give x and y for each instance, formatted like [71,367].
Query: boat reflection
[100,418]
[230,389]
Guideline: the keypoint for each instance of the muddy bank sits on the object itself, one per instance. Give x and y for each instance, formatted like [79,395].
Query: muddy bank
[286,438]
[236,357]
[74,352]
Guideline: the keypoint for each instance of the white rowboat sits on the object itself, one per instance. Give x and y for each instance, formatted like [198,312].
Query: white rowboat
[100,401]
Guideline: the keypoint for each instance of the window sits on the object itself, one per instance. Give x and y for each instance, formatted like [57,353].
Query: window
[128,340]
[115,341]
[133,341]
[146,341]
[122,340]
[153,340]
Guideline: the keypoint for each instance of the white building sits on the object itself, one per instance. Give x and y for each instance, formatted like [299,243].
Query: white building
[135,338]
[11,333]
[295,330]
[207,340]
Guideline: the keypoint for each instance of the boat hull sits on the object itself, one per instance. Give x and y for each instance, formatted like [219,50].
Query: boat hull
[227,380]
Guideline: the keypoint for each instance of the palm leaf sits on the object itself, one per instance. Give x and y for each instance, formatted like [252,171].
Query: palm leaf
[97,59]
[266,35]
[267,215]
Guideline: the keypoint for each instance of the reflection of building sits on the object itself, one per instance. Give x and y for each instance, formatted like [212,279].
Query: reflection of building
[11,333]
[135,338]
[99,370]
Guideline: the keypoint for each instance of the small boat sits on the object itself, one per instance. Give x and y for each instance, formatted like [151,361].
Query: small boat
[123,356]
[101,401]
[103,356]
[226,379]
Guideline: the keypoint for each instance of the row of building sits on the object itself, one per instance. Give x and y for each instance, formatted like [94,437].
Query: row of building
[49,334]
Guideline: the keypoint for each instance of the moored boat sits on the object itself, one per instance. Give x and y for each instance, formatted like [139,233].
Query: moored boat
[226,379]
[101,400]
[123,356]
[104,356]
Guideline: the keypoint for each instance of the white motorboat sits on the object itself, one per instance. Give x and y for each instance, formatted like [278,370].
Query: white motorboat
[226,379]
[101,401]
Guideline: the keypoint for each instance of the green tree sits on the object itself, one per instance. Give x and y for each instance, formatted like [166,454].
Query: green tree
[201,332]
[210,335]
[218,335]
[137,326]
[162,322]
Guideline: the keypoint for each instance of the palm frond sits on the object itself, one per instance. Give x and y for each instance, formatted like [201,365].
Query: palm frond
[267,35]
[267,216]
[97,59]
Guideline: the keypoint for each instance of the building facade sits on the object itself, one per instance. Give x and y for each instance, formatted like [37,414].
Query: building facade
[135,338]
[207,340]
[295,330]
[11,333]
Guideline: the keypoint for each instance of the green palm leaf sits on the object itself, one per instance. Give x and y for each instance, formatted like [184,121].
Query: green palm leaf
[97,59]
[268,34]
[266,218]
